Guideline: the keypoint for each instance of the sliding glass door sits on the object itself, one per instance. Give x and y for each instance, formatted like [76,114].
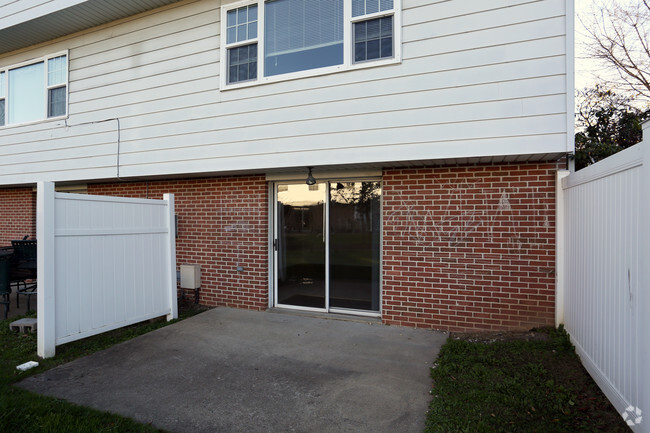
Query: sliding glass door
[354,245]
[300,245]
[327,246]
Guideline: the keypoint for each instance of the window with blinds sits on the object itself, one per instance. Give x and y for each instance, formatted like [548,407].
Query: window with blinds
[302,34]
[273,40]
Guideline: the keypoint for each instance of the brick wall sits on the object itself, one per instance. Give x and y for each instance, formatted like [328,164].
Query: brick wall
[465,248]
[17,214]
[469,248]
[223,224]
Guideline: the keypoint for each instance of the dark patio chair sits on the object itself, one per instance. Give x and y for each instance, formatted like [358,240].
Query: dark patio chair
[5,281]
[23,272]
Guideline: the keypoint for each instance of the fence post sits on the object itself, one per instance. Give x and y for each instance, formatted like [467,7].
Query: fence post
[45,308]
[560,247]
[171,254]
[643,324]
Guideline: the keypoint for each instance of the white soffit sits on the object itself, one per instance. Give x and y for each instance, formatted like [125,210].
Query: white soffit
[324,174]
[52,19]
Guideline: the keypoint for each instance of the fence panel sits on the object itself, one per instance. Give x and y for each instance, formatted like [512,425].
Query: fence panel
[604,290]
[113,263]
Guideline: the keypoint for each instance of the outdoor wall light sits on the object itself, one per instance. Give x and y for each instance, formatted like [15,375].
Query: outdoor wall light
[310,179]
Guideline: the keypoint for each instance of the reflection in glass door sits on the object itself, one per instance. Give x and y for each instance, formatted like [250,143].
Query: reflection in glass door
[354,245]
[327,244]
[300,244]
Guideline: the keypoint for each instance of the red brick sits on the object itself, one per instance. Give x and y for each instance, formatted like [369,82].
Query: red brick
[465,248]
[222,225]
[484,232]
[17,214]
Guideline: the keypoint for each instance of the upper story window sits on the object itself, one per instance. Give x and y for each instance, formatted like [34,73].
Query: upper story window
[295,38]
[301,35]
[34,91]
[373,29]
[241,40]
[3,97]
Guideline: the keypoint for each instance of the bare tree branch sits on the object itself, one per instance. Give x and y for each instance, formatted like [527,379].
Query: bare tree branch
[619,38]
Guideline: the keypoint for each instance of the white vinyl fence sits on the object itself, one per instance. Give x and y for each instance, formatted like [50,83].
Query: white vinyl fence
[604,276]
[103,263]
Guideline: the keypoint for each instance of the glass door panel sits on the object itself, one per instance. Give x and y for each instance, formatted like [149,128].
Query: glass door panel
[301,245]
[354,245]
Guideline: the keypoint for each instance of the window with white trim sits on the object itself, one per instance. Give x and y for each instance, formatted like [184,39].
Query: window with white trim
[272,40]
[3,97]
[373,29]
[241,40]
[34,91]
[301,35]
[57,79]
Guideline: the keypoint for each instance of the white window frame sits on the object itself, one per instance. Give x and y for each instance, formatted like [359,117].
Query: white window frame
[49,87]
[226,46]
[44,117]
[372,16]
[3,96]
[348,48]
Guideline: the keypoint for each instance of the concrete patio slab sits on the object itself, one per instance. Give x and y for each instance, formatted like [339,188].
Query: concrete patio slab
[229,370]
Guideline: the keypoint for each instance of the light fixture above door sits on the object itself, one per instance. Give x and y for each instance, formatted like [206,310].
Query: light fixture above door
[310,179]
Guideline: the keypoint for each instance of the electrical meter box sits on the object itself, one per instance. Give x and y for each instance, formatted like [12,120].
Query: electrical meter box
[190,276]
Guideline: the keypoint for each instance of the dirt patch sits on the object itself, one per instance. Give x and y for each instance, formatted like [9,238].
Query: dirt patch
[187,308]
[492,336]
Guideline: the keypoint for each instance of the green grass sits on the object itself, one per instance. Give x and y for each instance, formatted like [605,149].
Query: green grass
[517,386]
[23,411]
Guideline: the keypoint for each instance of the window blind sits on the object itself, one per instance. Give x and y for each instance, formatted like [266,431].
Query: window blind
[297,25]
[26,93]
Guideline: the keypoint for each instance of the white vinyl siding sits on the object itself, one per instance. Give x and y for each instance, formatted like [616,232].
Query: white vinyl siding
[16,11]
[26,23]
[478,81]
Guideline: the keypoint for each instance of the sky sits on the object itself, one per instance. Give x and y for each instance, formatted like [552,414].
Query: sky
[584,68]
